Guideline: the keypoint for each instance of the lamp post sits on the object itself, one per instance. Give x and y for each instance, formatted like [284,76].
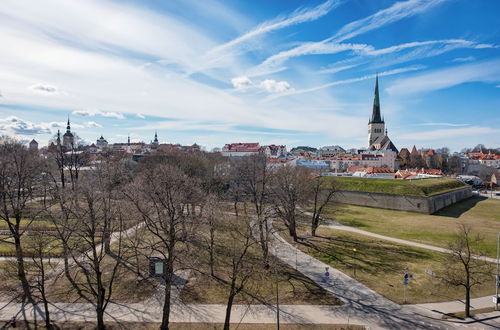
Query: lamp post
[497,279]
[354,260]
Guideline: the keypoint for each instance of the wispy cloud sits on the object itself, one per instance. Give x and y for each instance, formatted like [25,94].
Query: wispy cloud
[92,113]
[93,124]
[443,124]
[348,81]
[300,15]
[464,59]
[486,71]
[140,115]
[449,133]
[396,12]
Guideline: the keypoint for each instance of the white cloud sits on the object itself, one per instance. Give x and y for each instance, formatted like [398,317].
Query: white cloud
[44,89]
[140,115]
[93,124]
[487,71]
[18,126]
[92,113]
[242,83]
[273,86]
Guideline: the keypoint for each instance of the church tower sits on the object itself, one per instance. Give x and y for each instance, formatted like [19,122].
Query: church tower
[376,124]
[68,137]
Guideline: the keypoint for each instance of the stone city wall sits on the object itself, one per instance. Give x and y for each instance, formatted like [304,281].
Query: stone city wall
[418,204]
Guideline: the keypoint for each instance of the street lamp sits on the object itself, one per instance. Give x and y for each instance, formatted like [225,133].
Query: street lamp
[354,260]
[497,279]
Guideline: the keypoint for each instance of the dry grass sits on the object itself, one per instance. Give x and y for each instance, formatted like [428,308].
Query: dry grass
[483,215]
[380,265]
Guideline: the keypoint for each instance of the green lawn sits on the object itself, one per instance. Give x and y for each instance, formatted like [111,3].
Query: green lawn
[425,187]
[438,229]
[380,265]
[33,224]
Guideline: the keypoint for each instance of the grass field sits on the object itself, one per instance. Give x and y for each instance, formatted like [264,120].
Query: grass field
[425,187]
[294,288]
[380,265]
[438,229]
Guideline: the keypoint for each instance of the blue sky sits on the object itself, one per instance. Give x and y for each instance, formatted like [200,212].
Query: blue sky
[283,72]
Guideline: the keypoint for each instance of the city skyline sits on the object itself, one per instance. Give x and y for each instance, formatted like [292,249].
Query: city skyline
[294,73]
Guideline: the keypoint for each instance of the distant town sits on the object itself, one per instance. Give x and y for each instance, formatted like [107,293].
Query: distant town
[380,159]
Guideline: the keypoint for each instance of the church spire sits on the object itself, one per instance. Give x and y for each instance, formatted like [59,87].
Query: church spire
[376,118]
[68,128]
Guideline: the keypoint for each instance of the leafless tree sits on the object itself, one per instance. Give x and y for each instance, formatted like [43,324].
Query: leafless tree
[85,218]
[290,188]
[41,247]
[236,258]
[323,191]
[162,195]
[464,267]
[255,178]
[20,172]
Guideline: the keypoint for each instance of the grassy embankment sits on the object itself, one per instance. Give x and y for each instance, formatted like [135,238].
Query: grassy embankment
[380,265]
[424,188]
[483,215]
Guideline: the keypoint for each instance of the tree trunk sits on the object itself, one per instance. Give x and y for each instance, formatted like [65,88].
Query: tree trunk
[292,229]
[229,306]
[314,225]
[236,208]
[467,302]
[100,318]
[21,273]
[166,303]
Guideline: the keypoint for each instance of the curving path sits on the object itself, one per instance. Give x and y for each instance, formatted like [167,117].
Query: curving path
[337,226]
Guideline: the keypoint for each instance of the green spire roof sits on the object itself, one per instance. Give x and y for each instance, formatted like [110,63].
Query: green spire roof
[376,118]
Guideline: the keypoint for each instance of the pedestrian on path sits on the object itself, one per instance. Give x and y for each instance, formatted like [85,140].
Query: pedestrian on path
[13,322]
[327,274]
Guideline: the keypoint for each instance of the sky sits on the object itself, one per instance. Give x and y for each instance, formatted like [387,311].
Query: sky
[289,72]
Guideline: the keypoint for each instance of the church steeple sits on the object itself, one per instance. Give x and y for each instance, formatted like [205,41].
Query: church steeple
[68,127]
[376,118]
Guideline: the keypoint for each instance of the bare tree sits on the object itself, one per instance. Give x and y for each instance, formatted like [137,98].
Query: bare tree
[235,258]
[86,216]
[162,195]
[323,191]
[41,246]
[291,188]
[465,267]
[20,172]
[255,177]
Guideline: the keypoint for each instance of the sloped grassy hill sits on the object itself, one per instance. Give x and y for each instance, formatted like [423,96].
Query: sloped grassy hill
[423,187]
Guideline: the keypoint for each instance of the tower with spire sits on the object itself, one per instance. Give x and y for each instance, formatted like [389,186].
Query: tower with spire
[377,133]
[376,124]
[68,137]
[155,142]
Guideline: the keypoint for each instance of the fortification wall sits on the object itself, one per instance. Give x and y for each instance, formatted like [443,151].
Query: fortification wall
[418,204]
